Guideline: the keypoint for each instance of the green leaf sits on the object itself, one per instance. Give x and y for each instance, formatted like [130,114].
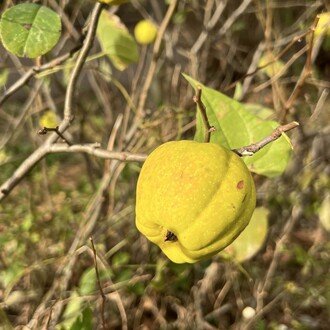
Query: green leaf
[84,321]
[87,283]
[236,126]
[120,259]
[29,29]
[4,322]
[3,158]
[250,241]
[269,65]
[238,91]
[116,41]
[72,310]
[4,73]
[259,111]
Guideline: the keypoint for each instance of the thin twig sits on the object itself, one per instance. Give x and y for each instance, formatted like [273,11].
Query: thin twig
[41,152]
[208,27]
[305,72]
[25,78]
[15,124]
[64,271]
[251,149]
[155,54]
[276,58]
[281,72]
[152,69]
[265,286]
[68,112]
[208,128]
[232,18]
[263,311]
[45,130]
[49,317]
[319,105]
[104,298]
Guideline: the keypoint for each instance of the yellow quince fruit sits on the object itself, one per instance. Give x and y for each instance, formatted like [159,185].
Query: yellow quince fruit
[48,119]
[323,26]
[193,199]
[145,32]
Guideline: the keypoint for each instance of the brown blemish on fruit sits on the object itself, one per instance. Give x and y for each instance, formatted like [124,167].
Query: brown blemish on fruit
[27,26]
[244,198]
[240,185]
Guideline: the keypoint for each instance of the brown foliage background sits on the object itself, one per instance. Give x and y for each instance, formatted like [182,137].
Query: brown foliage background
[47,219]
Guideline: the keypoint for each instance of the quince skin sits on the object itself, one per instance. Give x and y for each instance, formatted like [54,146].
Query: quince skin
[193,199]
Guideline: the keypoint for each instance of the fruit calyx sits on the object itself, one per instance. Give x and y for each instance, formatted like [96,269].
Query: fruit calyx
[170,237]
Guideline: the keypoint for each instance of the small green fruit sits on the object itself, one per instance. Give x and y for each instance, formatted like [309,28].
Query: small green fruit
[193,199]
[145,32]
[48,119]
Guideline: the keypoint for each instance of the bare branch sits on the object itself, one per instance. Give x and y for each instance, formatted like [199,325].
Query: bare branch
[252,72]
[209,26]
[68,113]
[42,151]
[95,150]
[20,173]
[233,17]
[152,68]
[25,78]
[251,149]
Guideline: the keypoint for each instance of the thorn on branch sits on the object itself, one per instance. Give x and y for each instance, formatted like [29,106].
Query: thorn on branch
[251,149]
[45,130]
[306,72]
[208,128]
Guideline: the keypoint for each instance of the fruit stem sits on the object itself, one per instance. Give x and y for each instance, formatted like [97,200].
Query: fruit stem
[208,128]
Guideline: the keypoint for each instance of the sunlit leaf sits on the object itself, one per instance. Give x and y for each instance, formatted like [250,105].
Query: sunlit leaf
[87,284]
[270,66]
[4,73]
[72,310]
[120,259]
[238,91]
[29,29]
[323,26]
[251,240]
[84,321]
[116,41]
[236,127]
